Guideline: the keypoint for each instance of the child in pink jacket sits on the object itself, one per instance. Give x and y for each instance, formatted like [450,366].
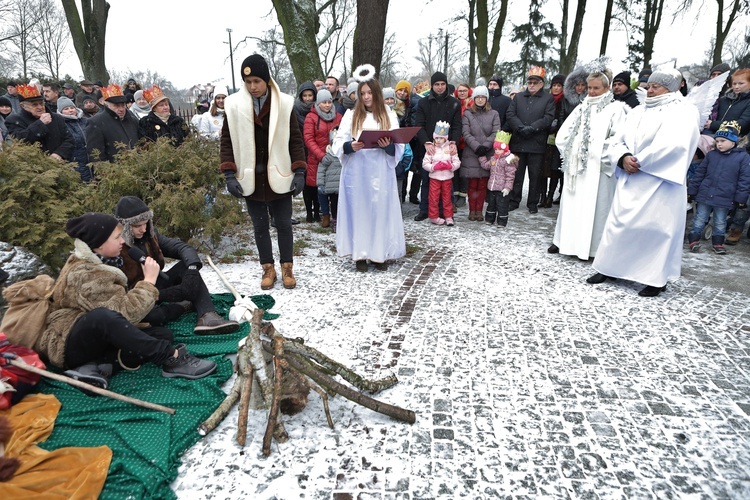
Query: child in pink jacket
[441,165]
[502,167]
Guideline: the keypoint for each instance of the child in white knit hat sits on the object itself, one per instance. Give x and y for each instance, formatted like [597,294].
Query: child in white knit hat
[441,165]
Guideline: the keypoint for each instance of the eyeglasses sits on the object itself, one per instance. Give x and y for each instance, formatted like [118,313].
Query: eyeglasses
[462,91]
[533,82]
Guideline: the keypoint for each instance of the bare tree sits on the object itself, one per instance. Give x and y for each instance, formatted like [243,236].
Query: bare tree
[22,23]
[643,17]
[569,51]
[51,37]
[367,46]
[433,52]
[88,30]
[606,26]
[389,67]
[337,25]
[488,43]
[727,13]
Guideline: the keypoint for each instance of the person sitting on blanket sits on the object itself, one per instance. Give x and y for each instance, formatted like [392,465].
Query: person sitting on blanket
[93,321]
[182,282]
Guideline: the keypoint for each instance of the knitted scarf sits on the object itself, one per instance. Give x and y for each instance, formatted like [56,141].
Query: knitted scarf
[326,116]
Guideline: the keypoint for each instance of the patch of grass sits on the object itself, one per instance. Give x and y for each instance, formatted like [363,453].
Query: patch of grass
[320,230]
[412,249]
[236,256]
[299,245]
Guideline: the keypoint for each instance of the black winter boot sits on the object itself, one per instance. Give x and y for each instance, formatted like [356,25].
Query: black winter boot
[489,217]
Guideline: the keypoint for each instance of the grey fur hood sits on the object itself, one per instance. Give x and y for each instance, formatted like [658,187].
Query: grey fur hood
[569,89]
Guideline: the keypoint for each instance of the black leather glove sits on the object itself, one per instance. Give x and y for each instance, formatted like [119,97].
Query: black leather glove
[527,130]
[233,185]
[298,183]
[481,150]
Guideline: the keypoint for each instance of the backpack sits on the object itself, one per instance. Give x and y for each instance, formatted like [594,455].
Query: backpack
[28,304]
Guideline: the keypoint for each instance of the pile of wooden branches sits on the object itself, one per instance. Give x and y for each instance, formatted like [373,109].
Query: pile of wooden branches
[297,369]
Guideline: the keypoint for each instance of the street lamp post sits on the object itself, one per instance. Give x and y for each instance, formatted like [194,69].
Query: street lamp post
[231,59]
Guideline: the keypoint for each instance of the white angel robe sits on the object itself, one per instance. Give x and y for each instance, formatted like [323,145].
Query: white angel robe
[369,223]
[589,182]
[644,233]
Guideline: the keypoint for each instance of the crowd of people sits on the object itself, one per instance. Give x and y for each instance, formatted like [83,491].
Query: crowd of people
[621,166]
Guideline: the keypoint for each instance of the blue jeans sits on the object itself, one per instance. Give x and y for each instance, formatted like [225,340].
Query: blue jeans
[702,213]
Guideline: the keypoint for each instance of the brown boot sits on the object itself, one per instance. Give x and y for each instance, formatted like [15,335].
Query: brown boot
[734,236]
[287,276]
[325,221]
[269,277]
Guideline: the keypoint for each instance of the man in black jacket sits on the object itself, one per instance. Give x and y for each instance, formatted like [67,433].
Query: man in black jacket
[182,282]
[498,101]
[438,105]
[622,91]
[34,125]
[112,126]
[529,118]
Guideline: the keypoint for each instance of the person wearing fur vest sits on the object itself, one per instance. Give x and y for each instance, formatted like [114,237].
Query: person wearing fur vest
[263,159]
[94,321]
[440,165]
[182,283]
[502,167]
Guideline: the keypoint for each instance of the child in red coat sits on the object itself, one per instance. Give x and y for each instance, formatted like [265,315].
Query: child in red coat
[502,167]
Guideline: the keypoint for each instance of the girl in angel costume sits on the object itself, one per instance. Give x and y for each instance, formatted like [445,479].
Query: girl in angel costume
[369,226]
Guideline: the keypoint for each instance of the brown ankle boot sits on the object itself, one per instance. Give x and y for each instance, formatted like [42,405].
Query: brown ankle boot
[269,277]
[325,221]
[287,276]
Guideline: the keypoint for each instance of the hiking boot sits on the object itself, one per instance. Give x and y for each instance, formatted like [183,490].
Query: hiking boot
[361,266]
[92,373]
[502,221]
[438,221]
[734,236]
[420,217]
[719,249]
[269,277]
[213,324]
[449,221]
[325,221]
[185,365]
[695,246]
[287,276]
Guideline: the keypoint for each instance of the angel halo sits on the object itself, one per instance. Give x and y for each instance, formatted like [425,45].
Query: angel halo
[364,73]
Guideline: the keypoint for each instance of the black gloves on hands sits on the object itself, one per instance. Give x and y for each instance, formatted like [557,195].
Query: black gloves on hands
[233,185]
[481,151]
[742,205]
[298,183]
[526,131]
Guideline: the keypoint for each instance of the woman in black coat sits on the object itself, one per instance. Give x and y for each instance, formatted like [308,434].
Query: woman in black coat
[161,121]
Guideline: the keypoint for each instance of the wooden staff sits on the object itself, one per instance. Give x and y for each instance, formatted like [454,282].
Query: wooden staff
[18,362]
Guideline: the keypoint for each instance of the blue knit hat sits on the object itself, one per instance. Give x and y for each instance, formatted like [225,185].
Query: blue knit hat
[729,131]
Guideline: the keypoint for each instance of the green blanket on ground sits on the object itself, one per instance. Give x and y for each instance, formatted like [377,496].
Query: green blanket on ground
[147,444]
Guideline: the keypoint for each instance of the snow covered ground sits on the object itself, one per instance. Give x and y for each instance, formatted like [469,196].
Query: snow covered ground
[526,381]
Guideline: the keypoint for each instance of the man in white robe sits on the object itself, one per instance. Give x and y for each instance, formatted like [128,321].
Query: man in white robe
[645,229]
[589,174]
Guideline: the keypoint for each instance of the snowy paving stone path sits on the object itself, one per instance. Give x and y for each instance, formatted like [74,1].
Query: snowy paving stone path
[526,381]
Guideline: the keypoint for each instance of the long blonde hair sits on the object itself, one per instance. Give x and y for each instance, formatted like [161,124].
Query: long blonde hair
[379,109]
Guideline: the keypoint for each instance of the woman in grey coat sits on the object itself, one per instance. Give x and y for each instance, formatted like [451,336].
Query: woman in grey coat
[480,124]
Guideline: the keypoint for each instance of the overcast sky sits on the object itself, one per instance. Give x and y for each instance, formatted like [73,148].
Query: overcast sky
[139,38]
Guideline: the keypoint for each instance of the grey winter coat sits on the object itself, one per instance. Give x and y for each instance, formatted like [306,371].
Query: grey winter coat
[479,129]
[529,119]
[329,174]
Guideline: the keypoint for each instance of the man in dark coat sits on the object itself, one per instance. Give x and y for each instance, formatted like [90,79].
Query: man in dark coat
[438,105]
[530,116]
[87,89]
[498,101]
[34,125]
[182,282]
[112,126]
[622,91]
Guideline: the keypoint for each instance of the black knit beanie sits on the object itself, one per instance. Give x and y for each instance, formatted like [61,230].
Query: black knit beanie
[497,79]
[623,78]
[559,78]
[438,76]
[92,228]
[255,65]
[129,207]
